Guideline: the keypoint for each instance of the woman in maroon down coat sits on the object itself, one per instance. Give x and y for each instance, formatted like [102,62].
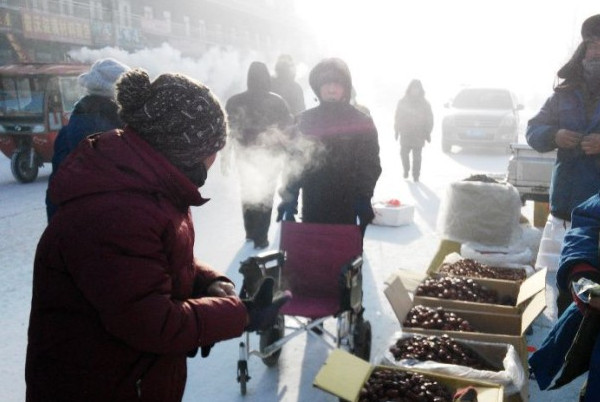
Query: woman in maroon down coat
[119,301]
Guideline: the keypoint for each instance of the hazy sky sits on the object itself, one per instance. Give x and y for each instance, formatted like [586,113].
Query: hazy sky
[519,44]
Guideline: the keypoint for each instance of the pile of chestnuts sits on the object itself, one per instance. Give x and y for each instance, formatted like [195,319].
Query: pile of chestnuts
[442,349]
[455,288]
[474,269]
[435,318]
[394,385]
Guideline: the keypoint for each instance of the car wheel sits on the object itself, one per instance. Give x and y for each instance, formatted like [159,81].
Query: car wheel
[446,146]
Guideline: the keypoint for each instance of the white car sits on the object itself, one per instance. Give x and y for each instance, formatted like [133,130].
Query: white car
[481,117]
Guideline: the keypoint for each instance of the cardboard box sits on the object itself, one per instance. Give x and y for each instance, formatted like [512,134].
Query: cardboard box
[522,292]
[386,215]
[343,375]
[507,366]
[491,327]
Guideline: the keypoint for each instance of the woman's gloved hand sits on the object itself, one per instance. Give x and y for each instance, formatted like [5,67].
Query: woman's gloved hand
[263,308]
[286,211]
[364,210]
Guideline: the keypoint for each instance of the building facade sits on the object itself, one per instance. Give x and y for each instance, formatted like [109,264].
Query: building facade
[46,30]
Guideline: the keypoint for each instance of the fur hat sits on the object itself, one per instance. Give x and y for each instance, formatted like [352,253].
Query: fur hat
[177,115]
[590,29]
[330,70]
[101,78]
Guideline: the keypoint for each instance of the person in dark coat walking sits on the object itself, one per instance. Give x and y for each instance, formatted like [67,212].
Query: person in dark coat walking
[413,123]
[258,119]
[119,301]
[337,162]
[93,113]
[283,84]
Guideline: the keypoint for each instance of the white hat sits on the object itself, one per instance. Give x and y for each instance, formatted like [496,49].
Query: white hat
[101,78]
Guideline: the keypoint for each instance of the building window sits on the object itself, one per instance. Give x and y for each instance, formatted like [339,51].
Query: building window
[96,11]
[167,17]
[125,13]
[65,7]
[148,13]
[35,4]
[186,26]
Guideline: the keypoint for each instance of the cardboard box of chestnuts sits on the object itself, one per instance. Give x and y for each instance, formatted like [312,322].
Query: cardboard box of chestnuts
[486,325]
[347,376]
[509,297]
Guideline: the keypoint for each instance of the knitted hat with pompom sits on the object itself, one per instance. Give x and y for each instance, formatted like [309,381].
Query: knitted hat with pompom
[177,115]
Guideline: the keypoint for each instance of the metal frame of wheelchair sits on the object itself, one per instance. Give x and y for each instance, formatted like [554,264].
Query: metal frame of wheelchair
[353,332]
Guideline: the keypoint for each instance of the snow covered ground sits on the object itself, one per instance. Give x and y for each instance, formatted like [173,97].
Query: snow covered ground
[220,241]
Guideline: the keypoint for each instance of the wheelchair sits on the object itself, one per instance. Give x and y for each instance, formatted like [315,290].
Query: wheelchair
[321,264]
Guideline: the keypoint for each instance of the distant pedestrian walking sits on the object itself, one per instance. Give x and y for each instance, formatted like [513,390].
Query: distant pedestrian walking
[258,119]
[283,84]
[413,123]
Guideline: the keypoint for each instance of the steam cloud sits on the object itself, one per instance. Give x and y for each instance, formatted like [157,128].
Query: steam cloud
[224,72]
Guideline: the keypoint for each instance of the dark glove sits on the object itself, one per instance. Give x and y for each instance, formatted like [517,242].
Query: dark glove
[364,210]
[286,211]
[578,271]
[263,308]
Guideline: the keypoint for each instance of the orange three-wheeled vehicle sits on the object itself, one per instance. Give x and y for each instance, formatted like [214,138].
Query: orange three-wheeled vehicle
[36,100]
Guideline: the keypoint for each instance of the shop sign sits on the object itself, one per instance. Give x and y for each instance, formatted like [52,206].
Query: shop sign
[8,19]
[102,33]
[56,28]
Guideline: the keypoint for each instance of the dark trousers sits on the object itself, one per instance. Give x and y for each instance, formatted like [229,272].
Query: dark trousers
[416,159]
[257,219]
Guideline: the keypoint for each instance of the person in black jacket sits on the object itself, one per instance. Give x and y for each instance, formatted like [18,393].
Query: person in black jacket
[339,173]
[283,84]
[258,119]
[95,112]
[413,123]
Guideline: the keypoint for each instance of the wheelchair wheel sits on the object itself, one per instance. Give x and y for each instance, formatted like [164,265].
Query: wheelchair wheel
[272,335]
[242,375]
[362,339]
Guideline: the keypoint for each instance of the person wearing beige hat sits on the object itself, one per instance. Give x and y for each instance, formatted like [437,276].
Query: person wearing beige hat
[94,112]
[119,299]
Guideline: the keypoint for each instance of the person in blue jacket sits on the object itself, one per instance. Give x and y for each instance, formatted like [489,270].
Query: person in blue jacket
[579,259]
[569,121]
[95,112]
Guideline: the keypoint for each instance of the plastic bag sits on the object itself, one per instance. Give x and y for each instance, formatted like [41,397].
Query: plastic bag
[488,213]
[512,377]
[497,256]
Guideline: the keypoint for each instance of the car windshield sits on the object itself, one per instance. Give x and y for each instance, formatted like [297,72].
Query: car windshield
[483,99]
[21,96]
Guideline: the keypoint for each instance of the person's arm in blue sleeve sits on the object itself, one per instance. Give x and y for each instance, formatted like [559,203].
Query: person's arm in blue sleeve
[542,128]
[579,255]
